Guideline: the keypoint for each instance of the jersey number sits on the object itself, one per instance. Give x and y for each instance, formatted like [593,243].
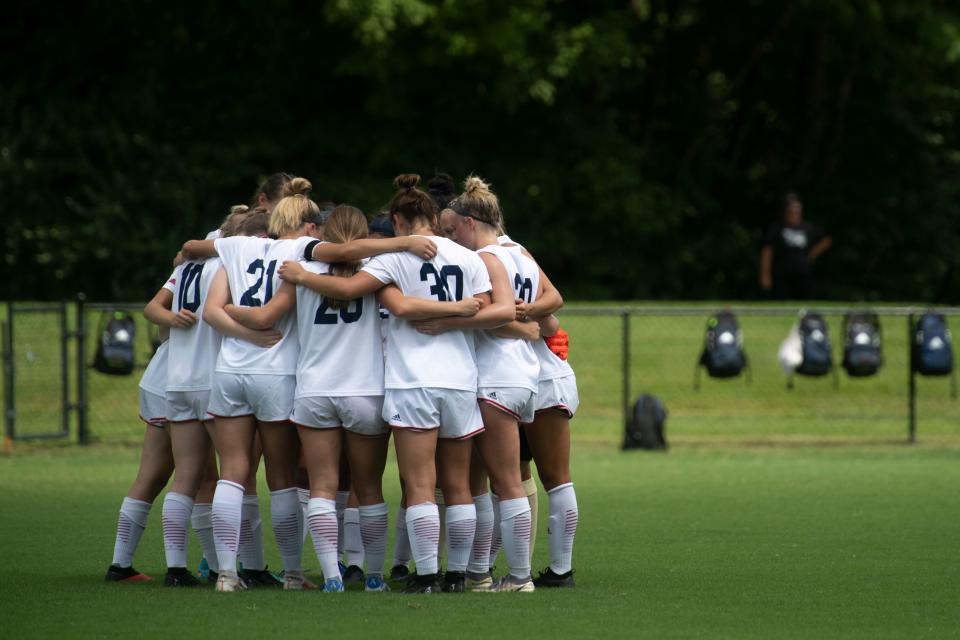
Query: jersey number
[524,287]
[441,285]
[249,297]
[327,316]
[190,276]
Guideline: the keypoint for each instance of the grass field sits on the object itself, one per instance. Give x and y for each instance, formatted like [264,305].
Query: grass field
[775,514]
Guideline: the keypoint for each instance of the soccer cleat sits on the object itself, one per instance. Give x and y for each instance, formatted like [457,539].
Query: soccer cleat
[333,585]
[230,582]
[125,574]
[212,577]
[453,582]
[180,577]
[203,571]
[353,576]
[423,584]
[259,578]
[549,579]
[376,583]
[342,567]
[478,582]
[399,572]
[296,582]
[509,583]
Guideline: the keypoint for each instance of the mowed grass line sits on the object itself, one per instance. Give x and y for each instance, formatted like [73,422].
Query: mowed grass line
[700,542]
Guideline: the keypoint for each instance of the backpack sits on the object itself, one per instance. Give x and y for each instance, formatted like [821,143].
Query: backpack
[861,347]
[931,353]
[723,355]
[115,346]
[644,429]
[816,359]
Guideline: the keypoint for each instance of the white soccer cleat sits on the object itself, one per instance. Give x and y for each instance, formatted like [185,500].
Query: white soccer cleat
[295,581]
[479,582]
[509,583]
[229,582]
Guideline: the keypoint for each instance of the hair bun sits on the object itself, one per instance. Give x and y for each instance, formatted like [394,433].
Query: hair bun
[406,181]
[297,187]
[239,208]
[474,184]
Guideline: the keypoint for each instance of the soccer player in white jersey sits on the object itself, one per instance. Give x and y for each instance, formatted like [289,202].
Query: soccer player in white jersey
[430,382]
[192,354]
[340,385]
[508,371]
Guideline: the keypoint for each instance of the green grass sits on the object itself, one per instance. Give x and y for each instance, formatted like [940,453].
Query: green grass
[792,542]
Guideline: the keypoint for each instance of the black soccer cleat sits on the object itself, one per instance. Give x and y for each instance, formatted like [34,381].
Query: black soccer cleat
[212,576]
[353,576]
[453,582]
[399,572]
[427,583]
[125,574]
[254,578]
[548,579]
[180,577]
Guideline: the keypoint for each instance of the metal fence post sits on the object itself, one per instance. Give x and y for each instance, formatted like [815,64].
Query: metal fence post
[64,368]
[625,365]
[8,386]
[81,404]
[912,420]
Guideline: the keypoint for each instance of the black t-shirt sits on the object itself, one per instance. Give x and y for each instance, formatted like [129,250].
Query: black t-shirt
[791,246]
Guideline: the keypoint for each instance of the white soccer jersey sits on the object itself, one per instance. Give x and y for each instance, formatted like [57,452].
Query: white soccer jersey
[506,362]
[414,360]
[193,351]
[526,286]
[154,377]
[340,349]
[251,265]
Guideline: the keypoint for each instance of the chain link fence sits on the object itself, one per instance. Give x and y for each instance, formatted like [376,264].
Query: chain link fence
[617,353]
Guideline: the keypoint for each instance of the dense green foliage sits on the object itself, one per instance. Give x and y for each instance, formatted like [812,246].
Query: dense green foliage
[639,147]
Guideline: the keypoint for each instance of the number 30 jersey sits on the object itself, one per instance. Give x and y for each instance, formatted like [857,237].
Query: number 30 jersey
[251,265]
[193,351]
[341,352]
[415,360]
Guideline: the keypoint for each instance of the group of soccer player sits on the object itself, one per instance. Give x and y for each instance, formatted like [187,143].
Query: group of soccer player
[307,337]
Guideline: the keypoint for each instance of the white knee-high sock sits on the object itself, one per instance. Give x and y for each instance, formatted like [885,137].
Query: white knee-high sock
[202,520]
[480,554]
[352,537]
[562,526]
[227,507]
[461,522]
[401,543]
[373,529]
[322,522]
[515,532]
[343,497]
[251,553]
[304,495]
[530,488]
[496,541]
[423,527]
[176,526]
[288,527]
[130,525]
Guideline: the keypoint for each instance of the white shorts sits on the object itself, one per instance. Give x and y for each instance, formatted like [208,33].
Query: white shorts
[516,401]
[456,413]
[153,408]
[188,406]
[559,393]
[357,414]
[268,397]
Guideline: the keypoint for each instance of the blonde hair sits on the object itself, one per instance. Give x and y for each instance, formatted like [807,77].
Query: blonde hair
[345,223]
[254,222]
[231,224]
[478,202]
[294,210]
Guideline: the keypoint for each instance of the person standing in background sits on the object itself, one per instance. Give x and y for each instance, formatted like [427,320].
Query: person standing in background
[790,248]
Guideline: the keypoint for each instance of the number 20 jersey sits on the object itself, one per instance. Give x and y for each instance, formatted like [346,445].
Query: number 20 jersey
[341,351]
[193,351]
[251,265]
[415,360]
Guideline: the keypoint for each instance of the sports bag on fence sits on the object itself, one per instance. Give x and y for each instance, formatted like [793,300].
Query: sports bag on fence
[723,355]
[816,359]
[115,345]
[932,352]
[645,427]
[862,354]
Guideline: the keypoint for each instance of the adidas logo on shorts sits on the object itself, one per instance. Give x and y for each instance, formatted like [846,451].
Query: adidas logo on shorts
[395,416]
[493,395]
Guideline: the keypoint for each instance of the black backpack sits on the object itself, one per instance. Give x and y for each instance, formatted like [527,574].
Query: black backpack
[644,429]
[815,346]
[862,354]
[932,352]
[115,346]
[723,355]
